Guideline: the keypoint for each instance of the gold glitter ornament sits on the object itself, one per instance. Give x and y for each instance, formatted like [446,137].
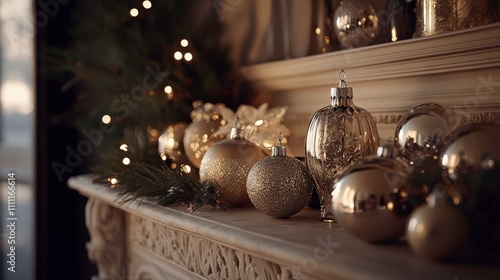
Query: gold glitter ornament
[338,135]
[226,165]
[279,186]
[200,134]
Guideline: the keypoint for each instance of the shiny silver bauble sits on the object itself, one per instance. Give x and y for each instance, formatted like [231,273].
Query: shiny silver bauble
[468,146]
[356,23]
[363,199]
[423,122]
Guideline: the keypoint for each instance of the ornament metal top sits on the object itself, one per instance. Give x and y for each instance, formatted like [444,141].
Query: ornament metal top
[338,135]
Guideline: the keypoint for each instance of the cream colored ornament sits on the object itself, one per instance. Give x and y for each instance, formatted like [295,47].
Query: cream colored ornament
[200,134]
[226,164]
[260,125]
[279,186]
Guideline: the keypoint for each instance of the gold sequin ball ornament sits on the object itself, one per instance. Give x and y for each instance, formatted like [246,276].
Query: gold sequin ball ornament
[200,134]
[338,134]
[279,186]
[226,165]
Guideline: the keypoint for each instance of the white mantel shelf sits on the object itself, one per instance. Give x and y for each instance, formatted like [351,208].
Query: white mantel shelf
[147,241]
[460,69]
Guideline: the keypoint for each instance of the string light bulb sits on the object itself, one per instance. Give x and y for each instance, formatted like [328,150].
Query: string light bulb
[147,4]
[184,43]
[106,119]
[134,12]
[188,56]
[178,55]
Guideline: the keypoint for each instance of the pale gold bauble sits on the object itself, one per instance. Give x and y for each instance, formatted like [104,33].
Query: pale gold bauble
[279,186]
[437,233]
[226,165]
[171,145]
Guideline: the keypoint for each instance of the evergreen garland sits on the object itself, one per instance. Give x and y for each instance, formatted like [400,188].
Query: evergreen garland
[148,176]
[119,66]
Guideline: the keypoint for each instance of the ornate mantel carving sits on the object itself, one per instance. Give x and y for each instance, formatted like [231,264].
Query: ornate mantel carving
[107,247]
[202,256]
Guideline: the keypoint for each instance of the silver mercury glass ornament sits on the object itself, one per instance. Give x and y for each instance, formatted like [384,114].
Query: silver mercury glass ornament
[338,134]
[279,186]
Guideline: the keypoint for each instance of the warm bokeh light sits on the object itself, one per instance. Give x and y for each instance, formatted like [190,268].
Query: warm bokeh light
[147,4]
[134,12]
[106,119]
[126,161]
[168,89]
[178,55]
[188,56]
[124,147]
[16,97]
[184,43]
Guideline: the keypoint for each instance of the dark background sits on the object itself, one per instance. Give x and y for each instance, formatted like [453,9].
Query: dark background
[60,212]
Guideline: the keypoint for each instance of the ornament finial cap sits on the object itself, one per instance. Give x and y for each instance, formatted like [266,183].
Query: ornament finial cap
[237,131]
[342,91]
[279,150]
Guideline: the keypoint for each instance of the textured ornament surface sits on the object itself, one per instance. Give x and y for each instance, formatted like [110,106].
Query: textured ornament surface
[337,136]
[363,202]
[279,186]
[226,166]
[356,23]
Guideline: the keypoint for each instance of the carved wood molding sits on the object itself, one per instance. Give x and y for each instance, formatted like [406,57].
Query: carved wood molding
[202,256]
[107,247]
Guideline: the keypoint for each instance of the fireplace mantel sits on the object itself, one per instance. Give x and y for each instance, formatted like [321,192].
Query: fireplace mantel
[460,69]
[142,240]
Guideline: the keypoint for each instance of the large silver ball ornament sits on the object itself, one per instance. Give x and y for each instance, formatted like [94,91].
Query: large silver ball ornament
[468,145]
[471,159]
[423,122]
[363,199]
[356,23]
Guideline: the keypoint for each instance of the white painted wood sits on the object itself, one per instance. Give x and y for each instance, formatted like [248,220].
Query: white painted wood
[460,69]
[172,243]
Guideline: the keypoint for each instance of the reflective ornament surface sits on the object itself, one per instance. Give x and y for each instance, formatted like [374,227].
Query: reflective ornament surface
[338,135]
[363,202]
[437,231]
[279,186]
[200,134]
[356,23]
[423,122]
[440,16]
[468,146]
[226,165]
[171,145]
[472,162]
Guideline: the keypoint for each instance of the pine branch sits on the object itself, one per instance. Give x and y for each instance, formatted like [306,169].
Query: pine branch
[147,176]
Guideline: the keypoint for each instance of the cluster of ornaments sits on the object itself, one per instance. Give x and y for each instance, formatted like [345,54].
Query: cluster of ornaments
[437,184]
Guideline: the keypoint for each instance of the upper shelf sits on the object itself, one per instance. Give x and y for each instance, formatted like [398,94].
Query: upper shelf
[393,76]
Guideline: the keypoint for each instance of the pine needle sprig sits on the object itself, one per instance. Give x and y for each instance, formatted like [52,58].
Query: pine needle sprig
[147,176]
